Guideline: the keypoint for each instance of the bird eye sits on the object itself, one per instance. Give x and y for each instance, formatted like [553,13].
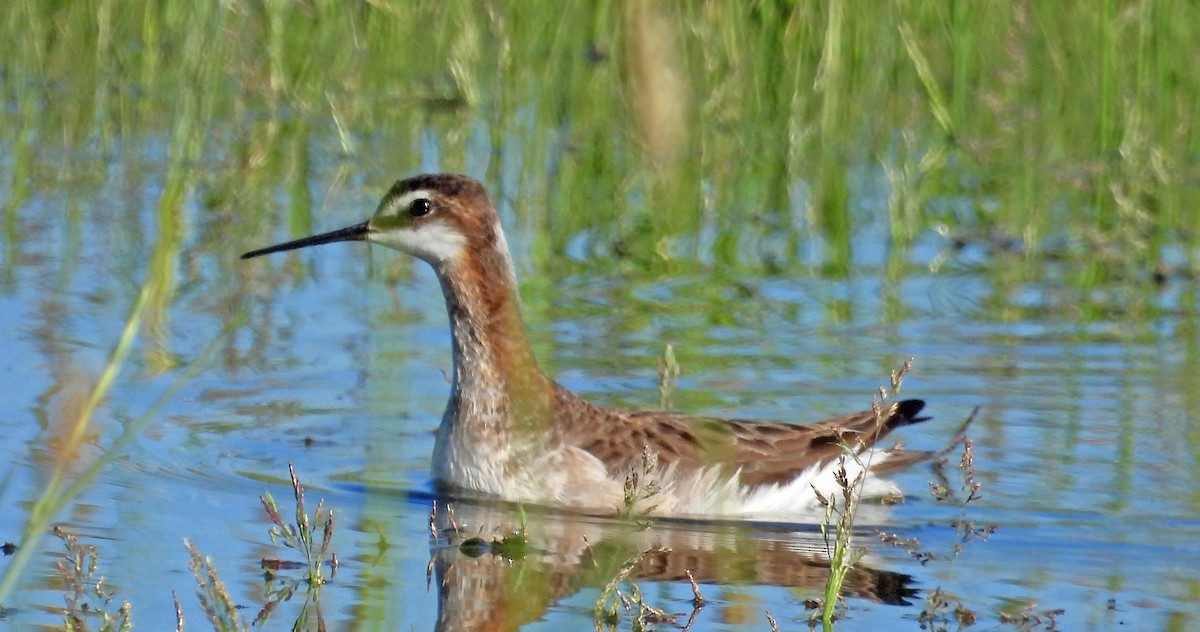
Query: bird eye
[420,206]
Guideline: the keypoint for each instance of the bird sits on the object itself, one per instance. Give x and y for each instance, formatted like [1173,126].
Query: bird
[511,432]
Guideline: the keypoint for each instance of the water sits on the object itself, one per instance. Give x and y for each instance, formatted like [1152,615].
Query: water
[147,155]
[1083,443]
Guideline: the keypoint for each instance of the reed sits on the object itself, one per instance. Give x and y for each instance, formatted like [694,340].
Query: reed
[1058,139]
[67,481]
[310,535]
[215,601]
[837,527]
[1034,122]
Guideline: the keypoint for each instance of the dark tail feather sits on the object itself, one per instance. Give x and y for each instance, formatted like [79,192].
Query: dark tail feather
[906,413]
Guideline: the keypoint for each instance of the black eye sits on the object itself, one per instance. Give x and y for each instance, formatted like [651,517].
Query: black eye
[420,206]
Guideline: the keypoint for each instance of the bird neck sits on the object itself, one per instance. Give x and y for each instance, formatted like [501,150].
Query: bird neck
[498,386]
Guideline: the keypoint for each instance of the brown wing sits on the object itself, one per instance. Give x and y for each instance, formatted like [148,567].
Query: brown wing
[775,453]
[765,452]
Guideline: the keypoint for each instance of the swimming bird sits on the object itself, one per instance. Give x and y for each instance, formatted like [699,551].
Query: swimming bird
[510,431]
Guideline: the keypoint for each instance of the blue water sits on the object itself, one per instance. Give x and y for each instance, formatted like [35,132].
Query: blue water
[1086,442]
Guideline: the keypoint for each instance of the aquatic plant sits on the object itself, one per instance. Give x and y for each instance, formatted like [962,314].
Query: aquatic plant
[214,597]
[301,536]
[85,591]
[842,554]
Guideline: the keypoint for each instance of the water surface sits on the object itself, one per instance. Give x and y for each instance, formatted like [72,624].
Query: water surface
[786,293]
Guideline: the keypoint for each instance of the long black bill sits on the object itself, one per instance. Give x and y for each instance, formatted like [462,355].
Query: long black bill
[357,232]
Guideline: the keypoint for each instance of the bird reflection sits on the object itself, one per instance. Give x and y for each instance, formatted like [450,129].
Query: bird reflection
[493,574]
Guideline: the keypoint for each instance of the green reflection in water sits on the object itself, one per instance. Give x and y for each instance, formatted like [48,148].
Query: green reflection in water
[1057,140]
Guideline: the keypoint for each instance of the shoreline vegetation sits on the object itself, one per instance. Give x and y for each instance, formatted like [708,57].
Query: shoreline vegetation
[1037,133]
[1056,143]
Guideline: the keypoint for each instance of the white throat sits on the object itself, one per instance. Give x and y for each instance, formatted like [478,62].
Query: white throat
[434,242]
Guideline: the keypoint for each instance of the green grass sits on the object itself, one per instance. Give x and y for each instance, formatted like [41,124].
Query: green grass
[1058,138]
[1044,121]
[73,473]
[215,601]
[85,593]
[837,528]
[308,535]
[87,597]
[1059,144]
